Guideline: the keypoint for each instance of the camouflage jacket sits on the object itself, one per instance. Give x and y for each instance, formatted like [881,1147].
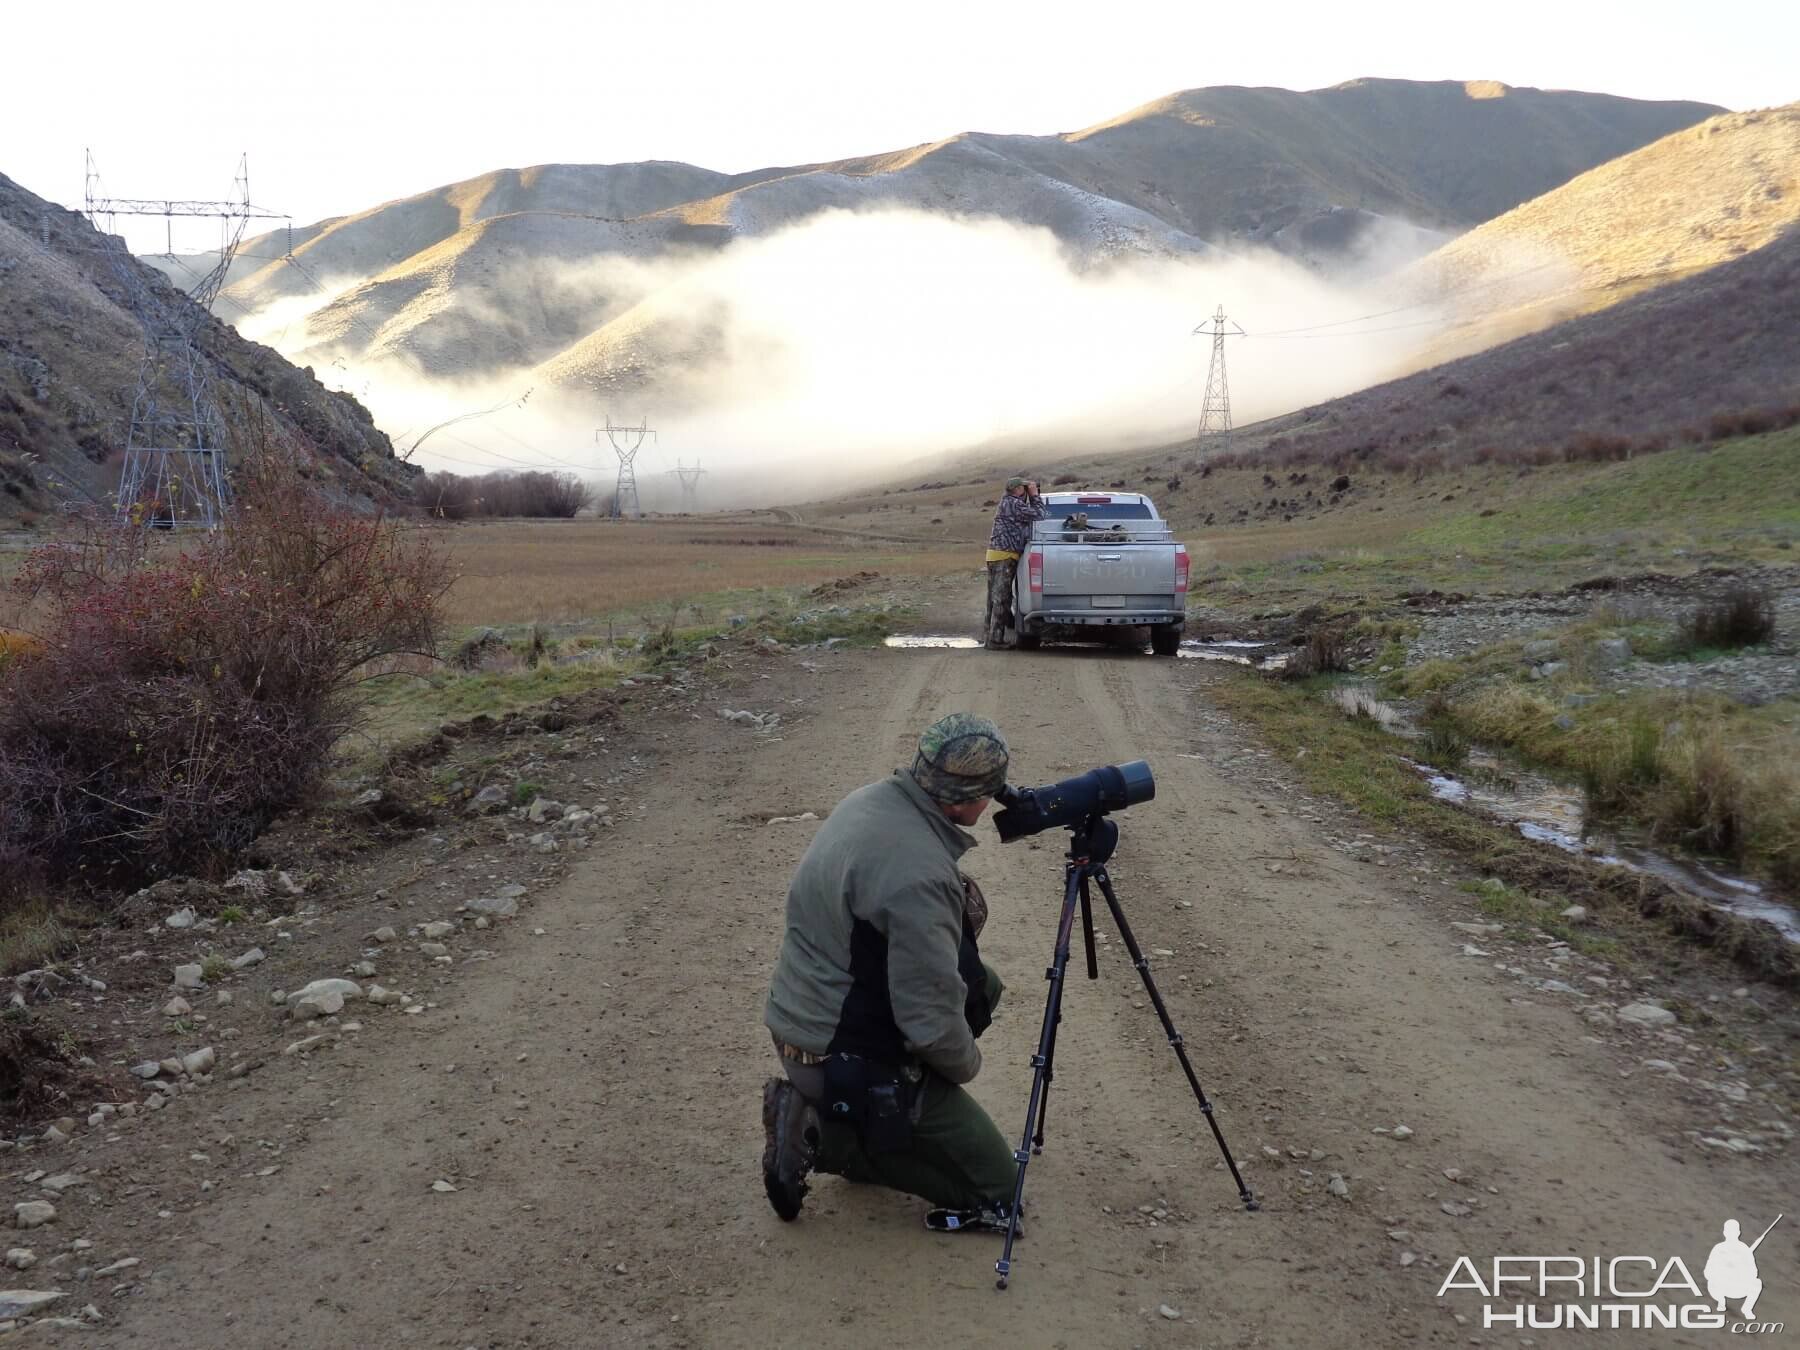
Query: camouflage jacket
[1012,522]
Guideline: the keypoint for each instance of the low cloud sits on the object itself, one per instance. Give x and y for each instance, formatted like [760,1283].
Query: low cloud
[836,350]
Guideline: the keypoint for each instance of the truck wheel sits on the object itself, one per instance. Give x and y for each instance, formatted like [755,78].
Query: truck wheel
[1029,642]
[1165,638]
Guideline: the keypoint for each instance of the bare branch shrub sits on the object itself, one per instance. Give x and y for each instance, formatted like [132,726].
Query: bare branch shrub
[451,496]
[184,698]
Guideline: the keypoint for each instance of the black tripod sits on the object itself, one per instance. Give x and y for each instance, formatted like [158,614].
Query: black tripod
[1091,843]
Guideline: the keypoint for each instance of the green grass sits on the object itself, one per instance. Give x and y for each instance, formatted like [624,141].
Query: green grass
[401,707]
[1523,913]
[1358,763]
[1696,770]
[1734,502]
[1735,492]
[1352,759]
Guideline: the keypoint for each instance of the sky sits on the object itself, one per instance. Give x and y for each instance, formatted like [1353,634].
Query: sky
[341,106]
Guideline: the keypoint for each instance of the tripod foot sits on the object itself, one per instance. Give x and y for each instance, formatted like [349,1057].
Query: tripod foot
[1251,1206]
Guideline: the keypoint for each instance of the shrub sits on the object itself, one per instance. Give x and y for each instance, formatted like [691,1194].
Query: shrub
[183,699]
[1743,616]
[1063,478]
[1326,651]
[451,496]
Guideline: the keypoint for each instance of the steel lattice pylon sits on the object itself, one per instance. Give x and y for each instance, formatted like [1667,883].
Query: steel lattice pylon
[174,469]
[690,483]
[626,442]
[1215,407]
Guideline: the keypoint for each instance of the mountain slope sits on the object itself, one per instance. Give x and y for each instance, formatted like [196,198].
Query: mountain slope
[1716,351]
[1694,199]
[1319,174]
[70,351]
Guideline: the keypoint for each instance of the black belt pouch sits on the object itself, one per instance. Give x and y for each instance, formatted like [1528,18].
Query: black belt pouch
[873,1097]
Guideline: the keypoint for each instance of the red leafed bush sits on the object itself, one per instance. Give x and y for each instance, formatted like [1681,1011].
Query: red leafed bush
[184,698]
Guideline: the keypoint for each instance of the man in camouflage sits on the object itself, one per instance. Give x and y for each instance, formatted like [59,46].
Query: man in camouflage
[1012,531]
[880,992]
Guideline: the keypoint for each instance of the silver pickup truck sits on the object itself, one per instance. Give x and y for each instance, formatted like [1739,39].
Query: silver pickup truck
[1101,560]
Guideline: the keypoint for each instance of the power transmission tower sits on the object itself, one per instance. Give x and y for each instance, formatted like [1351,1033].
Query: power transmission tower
[1215,408]
[626,442]
[174,470]
[690,483]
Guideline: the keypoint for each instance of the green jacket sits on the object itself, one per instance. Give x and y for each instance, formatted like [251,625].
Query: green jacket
[869,961]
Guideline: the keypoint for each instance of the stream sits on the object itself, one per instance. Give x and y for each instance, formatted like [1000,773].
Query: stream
[1555,813]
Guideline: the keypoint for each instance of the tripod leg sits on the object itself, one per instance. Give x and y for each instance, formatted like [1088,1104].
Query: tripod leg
[1040,1065]
[1087,933]
[1175,1037]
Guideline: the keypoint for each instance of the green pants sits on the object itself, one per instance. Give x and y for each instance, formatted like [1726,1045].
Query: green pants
[957,1158]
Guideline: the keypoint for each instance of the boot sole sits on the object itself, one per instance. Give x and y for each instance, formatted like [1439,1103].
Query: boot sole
[785,1197]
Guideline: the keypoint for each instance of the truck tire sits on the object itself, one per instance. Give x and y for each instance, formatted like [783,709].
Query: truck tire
[1165,638]
[1029,642]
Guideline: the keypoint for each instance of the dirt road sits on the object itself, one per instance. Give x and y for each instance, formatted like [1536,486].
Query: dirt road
[592,1092]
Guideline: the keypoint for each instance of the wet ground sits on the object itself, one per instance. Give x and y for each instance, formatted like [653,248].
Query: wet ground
[1556,813]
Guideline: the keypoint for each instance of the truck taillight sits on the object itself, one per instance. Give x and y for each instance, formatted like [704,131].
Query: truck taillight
[1181,569]
[1034,570]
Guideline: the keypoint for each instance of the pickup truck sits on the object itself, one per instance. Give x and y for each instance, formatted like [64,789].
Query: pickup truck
[1101,560]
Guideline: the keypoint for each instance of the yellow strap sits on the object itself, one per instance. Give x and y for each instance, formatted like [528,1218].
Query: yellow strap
[1000,555]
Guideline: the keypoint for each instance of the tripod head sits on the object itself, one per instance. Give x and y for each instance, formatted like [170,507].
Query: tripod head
[1092,840]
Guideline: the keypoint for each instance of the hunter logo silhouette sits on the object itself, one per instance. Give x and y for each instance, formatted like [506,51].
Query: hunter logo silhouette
[1731,1269]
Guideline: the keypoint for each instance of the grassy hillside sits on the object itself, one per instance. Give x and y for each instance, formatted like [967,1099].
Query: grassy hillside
[1677,364]
[1701,196]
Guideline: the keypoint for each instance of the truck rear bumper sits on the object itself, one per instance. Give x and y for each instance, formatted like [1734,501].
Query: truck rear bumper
[1099,618]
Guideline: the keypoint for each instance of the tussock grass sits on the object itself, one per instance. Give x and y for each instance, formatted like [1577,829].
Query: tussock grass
[1742,617]
[33,933]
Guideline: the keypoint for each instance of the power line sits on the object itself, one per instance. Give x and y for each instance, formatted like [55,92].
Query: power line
[1417,304]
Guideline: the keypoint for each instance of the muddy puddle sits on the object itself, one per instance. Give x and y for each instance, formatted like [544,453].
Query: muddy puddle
[910,640]
[1554,813]
[1258,655]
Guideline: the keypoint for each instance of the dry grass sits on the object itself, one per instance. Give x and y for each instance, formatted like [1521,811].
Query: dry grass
[32,934]
[517,572]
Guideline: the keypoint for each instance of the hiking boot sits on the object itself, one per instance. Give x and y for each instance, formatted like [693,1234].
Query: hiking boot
[790,1145]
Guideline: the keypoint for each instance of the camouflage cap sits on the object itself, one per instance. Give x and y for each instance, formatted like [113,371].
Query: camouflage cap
[1016,481]
[961,758]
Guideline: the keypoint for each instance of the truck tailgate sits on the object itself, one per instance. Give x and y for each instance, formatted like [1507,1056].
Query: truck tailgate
[1107,570]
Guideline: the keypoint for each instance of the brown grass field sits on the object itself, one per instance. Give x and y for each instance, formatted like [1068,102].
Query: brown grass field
[567,571]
